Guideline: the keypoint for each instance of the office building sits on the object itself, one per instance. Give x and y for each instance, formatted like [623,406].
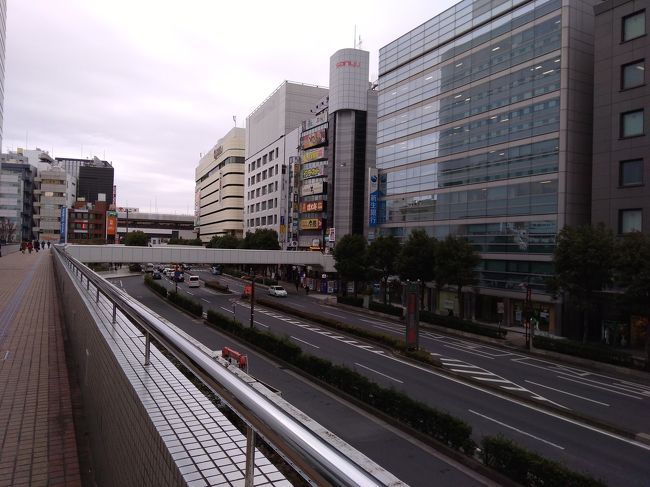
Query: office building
[621,145]
[484,131]
[94,177]
[56,192]
[3,48]
[87,223]
[17,197]
[219,195]
[268,150]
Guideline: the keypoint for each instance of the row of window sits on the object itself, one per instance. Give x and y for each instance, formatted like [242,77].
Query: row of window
[513,162]
[262,176]
[537,80]
[262,161]
[536,119]
[256,193]
[522,47]
[262,220]
[263,205]
[227,161]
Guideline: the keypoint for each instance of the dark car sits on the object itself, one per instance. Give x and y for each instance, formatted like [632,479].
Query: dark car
[157,275]
[216,270]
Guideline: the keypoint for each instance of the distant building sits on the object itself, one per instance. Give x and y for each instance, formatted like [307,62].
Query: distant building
[159,227]
[219,194]
[87,223]
[620,192]
[268,150]
[94,177]
[17,189]
[56,191]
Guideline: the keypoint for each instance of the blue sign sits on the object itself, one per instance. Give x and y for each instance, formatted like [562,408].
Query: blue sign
[372,209]
[63,227]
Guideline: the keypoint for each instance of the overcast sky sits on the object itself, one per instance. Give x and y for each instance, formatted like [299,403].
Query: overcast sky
[150,85]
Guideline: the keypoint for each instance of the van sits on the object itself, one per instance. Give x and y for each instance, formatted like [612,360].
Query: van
[193,281]
[148,268]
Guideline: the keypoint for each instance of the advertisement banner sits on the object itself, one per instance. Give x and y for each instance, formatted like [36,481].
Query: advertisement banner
[111,222]
[312,206]
[63,226]
[313,155]
[311,223]
[373,188]
[313,172]
[315,187]
[314,122]
[315,138]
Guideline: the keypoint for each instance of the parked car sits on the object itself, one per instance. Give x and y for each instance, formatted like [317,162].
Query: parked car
[278,291]
[148,268]
[193,281]
[178,276]
[157,275]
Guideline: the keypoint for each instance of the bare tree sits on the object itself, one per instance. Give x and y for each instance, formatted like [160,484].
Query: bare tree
[7,230]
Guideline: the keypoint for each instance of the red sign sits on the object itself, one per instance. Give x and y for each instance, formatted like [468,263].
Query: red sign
[311,206]
[352,64]
[111,225]
[314,139]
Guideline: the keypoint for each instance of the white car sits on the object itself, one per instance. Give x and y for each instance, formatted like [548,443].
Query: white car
[278,291]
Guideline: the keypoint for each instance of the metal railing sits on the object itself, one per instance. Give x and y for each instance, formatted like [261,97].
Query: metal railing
[315,459]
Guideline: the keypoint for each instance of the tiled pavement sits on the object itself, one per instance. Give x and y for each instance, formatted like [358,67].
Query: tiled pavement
[37,435]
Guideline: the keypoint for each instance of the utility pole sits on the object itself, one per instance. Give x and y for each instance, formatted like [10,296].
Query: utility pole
[252,297]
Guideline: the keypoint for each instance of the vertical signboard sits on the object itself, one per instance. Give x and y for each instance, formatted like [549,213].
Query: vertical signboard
[63,225]
[373,189]
[111,223]
[412,295]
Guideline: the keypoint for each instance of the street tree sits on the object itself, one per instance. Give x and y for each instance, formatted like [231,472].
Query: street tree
[456,262]
[7,230]
[261,239]
[350,256]
[632,272]
[584,263]
[224,242]
[416,259]
[136,239]
[382,259]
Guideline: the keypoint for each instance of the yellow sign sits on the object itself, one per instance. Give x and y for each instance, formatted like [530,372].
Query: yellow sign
[311,223]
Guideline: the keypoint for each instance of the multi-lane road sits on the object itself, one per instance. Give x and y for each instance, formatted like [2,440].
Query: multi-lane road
[615,458]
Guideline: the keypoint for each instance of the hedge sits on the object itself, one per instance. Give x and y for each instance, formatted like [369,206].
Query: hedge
[185,303]
[436,424]
[599,353]
[462,325]
[158,288]
[528,468]
[350,301]
[216,285]
[389,309]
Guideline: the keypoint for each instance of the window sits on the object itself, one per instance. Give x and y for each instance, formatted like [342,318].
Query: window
[263,205]
[634,25]
[631,173]
[629,221]
[264,173]
[257,192]
[632,75]
[270,156]
[277,151]
[258,177]
[264,159]
[632,123]
[257,207]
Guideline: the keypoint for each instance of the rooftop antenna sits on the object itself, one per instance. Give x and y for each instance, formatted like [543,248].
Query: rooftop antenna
[359,42]
[234,119]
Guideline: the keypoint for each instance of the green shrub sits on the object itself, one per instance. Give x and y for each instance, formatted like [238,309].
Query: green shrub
[158,288]
[437,424]
[462,325]
[135,268]
[599,353]
[389,309]
[350,301]
[528,468]
[185,303]
[217,286]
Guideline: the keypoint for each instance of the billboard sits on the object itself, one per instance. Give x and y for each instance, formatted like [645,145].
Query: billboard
[63,225]
[315,138]
[312,187]
[313,172]
[111,222]
[373,190]
[313,155]
[313,122]
[311,223]
[312,206]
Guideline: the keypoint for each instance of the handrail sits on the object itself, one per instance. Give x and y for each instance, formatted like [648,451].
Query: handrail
[311,455]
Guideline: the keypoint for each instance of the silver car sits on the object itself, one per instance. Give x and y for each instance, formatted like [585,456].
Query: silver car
[278,291]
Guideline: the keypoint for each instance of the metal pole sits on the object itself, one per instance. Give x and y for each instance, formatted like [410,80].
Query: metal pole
[114,313]
[250,457]
[252,297]
[147,348]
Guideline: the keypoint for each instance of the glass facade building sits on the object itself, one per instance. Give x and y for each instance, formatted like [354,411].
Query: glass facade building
[484,131]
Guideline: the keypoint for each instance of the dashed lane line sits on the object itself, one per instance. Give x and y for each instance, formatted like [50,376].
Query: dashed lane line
[522,432]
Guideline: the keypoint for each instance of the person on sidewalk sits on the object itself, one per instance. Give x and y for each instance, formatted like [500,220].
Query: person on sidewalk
[23,246]
[48,244]
[37,245]
[30,247]
[307,289]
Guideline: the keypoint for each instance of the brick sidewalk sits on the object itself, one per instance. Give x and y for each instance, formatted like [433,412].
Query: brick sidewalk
[37,435]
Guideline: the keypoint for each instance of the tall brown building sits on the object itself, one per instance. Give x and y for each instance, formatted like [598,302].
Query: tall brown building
[621,146]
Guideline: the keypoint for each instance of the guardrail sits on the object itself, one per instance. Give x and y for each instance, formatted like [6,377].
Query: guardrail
[315,459]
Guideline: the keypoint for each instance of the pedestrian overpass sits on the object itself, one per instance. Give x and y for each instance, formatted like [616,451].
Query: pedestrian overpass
[198,255]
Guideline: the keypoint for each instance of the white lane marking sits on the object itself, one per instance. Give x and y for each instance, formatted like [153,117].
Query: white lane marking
[377,372]
[374,322]
[296,304]
[479,372]
[498,379]
[189,292]
[306,343]
[261,324]
[598,387]
[294,322]
[469,351]
[516,429]
[226,309]
[460,365]
[538,409]
[121,285]
[6,355]
[203,299]
[567,393]
[332,314]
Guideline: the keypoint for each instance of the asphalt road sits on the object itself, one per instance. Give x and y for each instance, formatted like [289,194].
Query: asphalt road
[617,460]
[408,459]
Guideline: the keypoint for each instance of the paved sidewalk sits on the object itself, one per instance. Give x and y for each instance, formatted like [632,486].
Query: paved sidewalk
[37,435]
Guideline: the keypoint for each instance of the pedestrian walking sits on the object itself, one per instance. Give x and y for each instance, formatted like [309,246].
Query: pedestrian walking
[22,246]
[30,247]
[43,244]
[37,245]
[48,244]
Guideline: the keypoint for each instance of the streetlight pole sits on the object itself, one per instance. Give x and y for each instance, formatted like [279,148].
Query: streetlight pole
[252,296]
